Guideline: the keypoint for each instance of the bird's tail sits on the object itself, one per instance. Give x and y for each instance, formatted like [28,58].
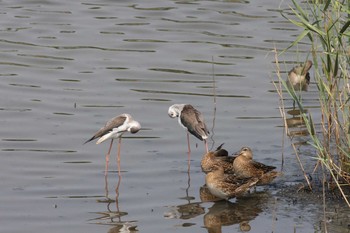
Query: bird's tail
[103,138]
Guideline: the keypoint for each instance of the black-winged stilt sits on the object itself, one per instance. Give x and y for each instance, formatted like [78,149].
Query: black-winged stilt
[114,129]
[192,120]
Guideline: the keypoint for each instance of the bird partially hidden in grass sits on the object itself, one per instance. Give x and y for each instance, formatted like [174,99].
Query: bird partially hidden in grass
[245,167]
[218,157]
[299,77]
[227,186]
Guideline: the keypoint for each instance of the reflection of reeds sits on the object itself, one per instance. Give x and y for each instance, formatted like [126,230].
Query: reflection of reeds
[326,26]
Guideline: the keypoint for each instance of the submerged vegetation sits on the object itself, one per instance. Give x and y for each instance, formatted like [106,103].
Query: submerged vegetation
[325,28]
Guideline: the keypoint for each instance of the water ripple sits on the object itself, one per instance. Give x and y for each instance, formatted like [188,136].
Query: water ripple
[189,93]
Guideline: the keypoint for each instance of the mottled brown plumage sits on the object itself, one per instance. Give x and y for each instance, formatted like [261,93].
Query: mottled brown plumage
[299,77]
[218,157]
[245,167]
[227,186]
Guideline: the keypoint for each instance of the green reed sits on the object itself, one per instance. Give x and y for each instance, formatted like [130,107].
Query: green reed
[325,26]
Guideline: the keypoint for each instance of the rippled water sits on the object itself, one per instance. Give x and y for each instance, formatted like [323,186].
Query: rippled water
[69,66]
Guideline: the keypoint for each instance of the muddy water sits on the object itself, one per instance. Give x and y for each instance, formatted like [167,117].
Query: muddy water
[68,66]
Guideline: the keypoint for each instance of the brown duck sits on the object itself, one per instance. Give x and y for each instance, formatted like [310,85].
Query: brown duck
[245,167]
[227,186]
[218,157]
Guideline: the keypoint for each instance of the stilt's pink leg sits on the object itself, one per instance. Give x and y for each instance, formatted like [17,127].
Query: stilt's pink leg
[206,145]
[107,157]
[118,156]
[189,162]
[106,187]
[118,164]
[189,148]
[188,142]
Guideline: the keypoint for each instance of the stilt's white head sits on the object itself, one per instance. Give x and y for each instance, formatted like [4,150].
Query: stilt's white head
[131,125]
[174,110]
[134,127]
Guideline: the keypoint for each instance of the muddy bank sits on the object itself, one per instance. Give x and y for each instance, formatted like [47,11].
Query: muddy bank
[333,215]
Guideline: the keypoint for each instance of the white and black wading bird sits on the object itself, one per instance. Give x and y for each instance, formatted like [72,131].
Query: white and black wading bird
[192,120]
[114,129]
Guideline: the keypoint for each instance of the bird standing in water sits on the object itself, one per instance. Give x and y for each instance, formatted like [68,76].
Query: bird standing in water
[299,77]
[191,120]
[114,129]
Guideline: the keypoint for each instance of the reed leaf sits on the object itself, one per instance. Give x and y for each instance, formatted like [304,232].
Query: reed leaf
[296,41]
[326,26]
[300,10]
[326,5]
[345,26]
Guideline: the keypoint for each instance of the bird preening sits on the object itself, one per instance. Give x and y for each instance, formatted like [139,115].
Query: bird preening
[189,118]
[114,129]
[299,77]
[219,157]
[192,121]
[232,176]
[226,176]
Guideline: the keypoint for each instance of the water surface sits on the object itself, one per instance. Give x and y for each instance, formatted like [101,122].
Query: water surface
[69,66]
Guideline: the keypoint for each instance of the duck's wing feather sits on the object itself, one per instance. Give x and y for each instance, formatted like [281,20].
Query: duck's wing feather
[262,167]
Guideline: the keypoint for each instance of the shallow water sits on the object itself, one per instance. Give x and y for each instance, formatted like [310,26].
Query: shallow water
[69,66]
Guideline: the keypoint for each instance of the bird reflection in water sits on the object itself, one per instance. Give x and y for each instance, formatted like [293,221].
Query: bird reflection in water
[114,218]
[225,213]
[126,227]
[298,80]
[296,124]
[185,211]
[188,210]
